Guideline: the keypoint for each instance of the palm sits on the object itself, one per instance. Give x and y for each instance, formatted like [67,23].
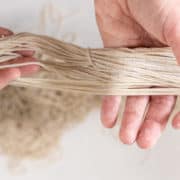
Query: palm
[121,23]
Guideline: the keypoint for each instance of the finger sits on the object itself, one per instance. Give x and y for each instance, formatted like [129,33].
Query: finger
[156,119]
[5,32]
[8,75]
[132,118]
[176,121]
[27,69]
[109,110]
[26,53]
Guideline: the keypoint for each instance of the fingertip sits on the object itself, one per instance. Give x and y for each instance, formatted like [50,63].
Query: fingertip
[13,73]
[108,123]
[107,119]
[144,145]
[149,135]
[126,137]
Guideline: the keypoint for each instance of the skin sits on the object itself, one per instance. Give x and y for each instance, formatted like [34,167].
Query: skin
[140,23]
[10,74]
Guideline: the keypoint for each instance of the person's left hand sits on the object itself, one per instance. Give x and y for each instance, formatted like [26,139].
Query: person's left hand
[9,74]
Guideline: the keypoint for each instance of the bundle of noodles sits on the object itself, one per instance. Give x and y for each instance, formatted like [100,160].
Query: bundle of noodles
[120,71]
[36,117]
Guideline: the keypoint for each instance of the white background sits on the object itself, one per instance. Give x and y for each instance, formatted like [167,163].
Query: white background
[89,151]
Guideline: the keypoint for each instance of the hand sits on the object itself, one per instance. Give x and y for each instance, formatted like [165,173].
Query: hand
[134,23]
[9,74]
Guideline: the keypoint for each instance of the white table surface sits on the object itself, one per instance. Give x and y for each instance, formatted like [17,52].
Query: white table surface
[88,151]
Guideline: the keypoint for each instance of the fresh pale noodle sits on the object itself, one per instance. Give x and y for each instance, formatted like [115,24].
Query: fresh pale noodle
[122,71]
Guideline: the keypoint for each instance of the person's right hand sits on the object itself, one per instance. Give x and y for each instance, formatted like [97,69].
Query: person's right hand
[10,74]
[140,23]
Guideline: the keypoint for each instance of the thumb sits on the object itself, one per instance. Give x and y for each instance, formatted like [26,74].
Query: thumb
[172,35]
